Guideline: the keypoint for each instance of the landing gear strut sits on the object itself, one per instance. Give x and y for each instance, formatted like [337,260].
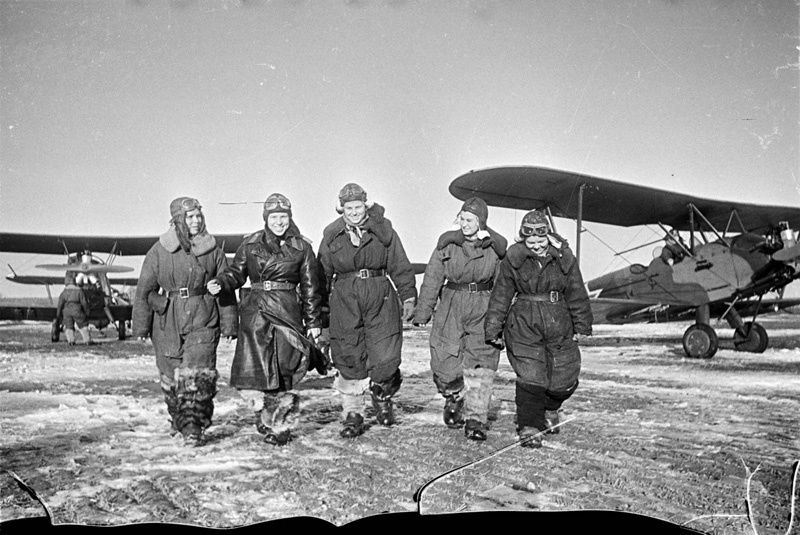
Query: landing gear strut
[749,336]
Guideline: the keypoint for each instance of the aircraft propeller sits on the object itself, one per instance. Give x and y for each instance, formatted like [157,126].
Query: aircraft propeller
[85,268]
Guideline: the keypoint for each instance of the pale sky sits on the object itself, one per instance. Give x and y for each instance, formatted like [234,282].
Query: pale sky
[110,109]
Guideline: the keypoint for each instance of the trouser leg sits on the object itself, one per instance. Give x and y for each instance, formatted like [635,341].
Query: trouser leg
[477,396]
[87,339]
[553,401]
[351,393]
[530,401]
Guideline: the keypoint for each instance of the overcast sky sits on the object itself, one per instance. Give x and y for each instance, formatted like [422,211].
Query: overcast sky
[110,109]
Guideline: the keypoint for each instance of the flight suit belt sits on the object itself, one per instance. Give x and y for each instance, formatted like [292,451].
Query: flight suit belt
[361,274]
[469,286]
[185,293]
[272,285]
[550,297]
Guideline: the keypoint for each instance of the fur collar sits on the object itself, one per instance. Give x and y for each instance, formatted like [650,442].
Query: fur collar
[493,240]
[518,253]
[376,224]
[201,244]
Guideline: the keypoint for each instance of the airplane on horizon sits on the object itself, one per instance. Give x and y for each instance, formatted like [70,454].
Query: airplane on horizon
[728,273]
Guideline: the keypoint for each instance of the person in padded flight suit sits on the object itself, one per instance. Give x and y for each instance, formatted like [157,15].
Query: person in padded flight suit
[172,303]
[272,352]
[540,309]
[457,283]
[358,251]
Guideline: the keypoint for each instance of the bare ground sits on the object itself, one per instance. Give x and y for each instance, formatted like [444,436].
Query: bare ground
[649,432]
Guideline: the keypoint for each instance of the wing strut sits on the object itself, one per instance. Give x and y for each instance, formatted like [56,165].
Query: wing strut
[580,223]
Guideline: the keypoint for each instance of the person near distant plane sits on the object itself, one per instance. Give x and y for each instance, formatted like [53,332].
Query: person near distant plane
[280,319]
[173,306]
[539,309]
[359,254]
[72,311]
[455,291]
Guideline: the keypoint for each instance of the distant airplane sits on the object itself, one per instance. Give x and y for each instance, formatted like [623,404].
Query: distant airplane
[730,271]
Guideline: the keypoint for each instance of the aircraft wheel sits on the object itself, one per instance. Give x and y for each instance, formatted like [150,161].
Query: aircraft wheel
[700,341]
[751,338]
[55,331]
[121,329]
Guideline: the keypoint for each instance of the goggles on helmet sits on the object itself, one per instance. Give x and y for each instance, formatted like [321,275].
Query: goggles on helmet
[279,203]
[539,229]
[190,204]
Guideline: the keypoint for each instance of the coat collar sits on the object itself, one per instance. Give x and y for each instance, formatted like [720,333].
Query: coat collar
[494,240]
[201,244]
[375,224]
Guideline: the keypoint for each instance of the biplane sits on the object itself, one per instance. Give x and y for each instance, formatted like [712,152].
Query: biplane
[735,253]
[107,305]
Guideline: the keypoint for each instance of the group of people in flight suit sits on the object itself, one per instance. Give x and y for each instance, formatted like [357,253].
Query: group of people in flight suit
[480,295]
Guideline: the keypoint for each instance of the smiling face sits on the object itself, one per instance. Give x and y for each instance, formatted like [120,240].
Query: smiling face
[278,222]
[355,211]
[537,244]
[194,221]
[469,224]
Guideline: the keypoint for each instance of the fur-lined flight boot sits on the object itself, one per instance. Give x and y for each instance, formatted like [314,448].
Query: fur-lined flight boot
[552,404]
[195,390]
[278,417]
[478,395]
[381,394]
[352,396]
[168,389]
[70,336]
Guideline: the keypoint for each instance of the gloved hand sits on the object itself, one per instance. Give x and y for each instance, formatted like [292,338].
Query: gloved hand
[580,337]
[408,309]
[496,343]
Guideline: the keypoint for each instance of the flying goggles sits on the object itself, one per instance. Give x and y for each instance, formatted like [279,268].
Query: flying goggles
[539,229]
[273,204]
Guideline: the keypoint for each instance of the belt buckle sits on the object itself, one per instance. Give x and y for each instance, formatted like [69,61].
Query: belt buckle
[267,285]
[183,292]
[473,287]
[554,296]
[363,273]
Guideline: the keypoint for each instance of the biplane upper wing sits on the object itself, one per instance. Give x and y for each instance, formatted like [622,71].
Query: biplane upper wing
[607,201]
[55,244]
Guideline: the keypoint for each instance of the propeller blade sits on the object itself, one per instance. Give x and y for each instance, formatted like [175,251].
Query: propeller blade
[788,254]
[85,268]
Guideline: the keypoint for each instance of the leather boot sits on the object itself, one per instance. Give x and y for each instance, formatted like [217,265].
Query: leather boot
[530,437]
[475,430]
[353,425]
[551,420]
[453,414]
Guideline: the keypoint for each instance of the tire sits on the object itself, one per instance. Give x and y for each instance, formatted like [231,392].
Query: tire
[700,341]
[55,331]
[121,330]
[751,338]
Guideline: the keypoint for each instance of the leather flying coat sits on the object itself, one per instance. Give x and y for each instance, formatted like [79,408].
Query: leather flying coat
[259,363]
